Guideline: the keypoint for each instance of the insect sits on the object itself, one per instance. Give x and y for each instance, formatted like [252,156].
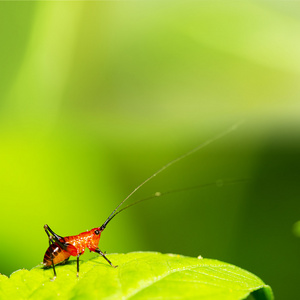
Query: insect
[61,248]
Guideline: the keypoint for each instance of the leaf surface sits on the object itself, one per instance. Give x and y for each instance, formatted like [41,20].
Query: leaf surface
[140,275]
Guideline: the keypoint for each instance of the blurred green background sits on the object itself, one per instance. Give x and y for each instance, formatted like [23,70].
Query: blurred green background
[97,96]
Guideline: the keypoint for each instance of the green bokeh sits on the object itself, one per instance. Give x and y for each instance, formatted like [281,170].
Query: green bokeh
[97,96]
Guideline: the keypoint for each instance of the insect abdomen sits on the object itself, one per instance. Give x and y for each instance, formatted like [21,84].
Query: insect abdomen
[58,255]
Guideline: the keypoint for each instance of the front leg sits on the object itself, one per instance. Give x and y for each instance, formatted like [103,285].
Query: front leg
[103,255]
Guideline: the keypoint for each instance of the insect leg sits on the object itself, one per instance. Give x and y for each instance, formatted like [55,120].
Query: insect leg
[47,228]
[78,265]
[55,238]
[51,255]
[103,255]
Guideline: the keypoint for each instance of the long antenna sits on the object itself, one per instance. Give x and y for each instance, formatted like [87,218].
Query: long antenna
[220,135]
[217,183]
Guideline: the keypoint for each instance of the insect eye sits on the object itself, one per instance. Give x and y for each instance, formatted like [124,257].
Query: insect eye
[97,232]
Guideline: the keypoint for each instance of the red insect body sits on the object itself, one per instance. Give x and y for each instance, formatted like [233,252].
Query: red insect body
[73,246]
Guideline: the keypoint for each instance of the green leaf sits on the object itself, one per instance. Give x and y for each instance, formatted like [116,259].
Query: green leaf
[140,275]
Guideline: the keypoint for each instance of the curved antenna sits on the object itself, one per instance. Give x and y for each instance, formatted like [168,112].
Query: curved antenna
[217,183]
[220,135]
